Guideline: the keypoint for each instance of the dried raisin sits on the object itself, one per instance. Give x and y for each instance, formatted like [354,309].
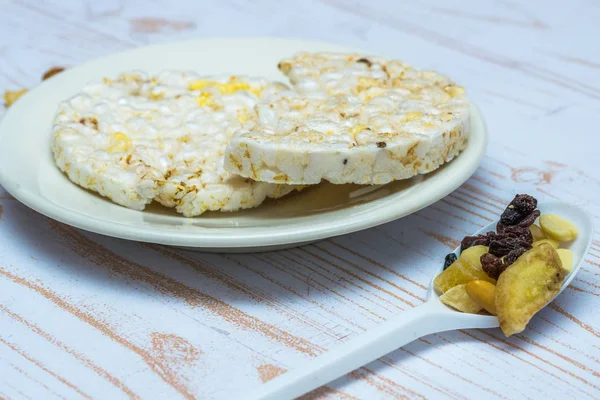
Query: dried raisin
[492,265]
[511,239]
[518,209]
[525,203]
[530,219]
[513,255]
[502,247]
[450,258]
[518,232]
[500,227]
[479,240]
[511,216]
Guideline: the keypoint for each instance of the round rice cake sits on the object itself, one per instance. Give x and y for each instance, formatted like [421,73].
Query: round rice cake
[136,139]
[352,119]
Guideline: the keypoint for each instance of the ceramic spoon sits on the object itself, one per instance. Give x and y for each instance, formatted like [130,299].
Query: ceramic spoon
[430,317]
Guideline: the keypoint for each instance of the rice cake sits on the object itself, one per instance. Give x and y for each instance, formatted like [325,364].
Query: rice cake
[136,139]
[352,119]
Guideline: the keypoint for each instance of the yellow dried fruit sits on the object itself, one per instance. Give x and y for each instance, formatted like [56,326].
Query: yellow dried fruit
[51,72]
[526,286]
[537,233]
[458,298]
[558,228]
[551,242]
[566,258]
[10,96]
[484,294]
[461,271]
[473,254]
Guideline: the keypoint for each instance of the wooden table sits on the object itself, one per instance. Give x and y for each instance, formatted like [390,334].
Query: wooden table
[87,316]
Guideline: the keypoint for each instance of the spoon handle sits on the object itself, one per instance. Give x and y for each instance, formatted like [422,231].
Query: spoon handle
[374,343]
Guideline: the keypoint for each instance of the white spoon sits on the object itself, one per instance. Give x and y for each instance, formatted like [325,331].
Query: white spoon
[430,317]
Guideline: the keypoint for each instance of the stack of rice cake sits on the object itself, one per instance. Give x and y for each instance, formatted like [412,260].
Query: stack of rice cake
[226,143]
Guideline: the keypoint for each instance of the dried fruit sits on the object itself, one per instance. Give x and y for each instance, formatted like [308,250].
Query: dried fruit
[460,272]
[492,265]
[484,294]
[524,203]
[566,257]
[51,72]
[479,240]
[526,287]
[458,298]
[510,216]
[10,96]
[505,245]
[509,232]
[519,208]
[529,219]
[473,254]
[500,227]
[536,232]
[512,273]
[558,228]
[514,255]
[517,232]
[450,258]
[551,242]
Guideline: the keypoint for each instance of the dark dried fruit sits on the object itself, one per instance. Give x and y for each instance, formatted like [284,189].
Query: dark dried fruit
[381,145]
[512,239]
[471,241]
[530,219]
[502,247]
[517,232]
[492,265]
[500,227]
[468,242]
[479,240]
[526,222]
[511,216]
[513,255]
[450,258]
[524,203]
[519,208]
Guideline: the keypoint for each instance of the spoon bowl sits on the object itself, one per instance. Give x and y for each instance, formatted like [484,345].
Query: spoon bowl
[430,317]
[579,247]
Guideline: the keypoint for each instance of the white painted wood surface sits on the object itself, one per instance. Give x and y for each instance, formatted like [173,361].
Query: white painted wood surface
[86,316]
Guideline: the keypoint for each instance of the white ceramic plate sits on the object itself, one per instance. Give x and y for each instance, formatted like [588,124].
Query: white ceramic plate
[28,172]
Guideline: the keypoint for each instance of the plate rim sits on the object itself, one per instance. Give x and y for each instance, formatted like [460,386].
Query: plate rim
[267,236]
